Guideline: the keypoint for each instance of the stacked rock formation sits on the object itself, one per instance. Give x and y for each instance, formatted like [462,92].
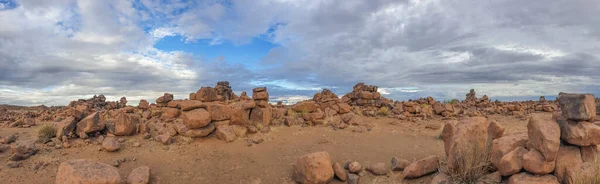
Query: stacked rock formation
[364,95]
[324,108]
[556,149]
[221,92]
[544,105]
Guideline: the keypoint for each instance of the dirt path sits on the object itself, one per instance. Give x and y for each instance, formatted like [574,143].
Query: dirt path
[211,160]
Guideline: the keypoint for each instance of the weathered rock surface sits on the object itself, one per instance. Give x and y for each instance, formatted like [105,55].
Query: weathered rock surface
[314,168]
[421,167]
[88,172]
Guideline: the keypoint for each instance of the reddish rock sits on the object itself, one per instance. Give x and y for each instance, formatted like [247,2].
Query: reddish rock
[226,133]
[531,179]
[261,116]
[218,112]
[578,107]
[534,162]
[340,173]
[544,135]
[314,168]
[495,130]
[111,144]
[441,178]
[188,105]
[512,162]
[239,116]
[399,164]
[581,133]
[140,175]
[378,168]
[470,134]
[305,107]
[503,145]
[590,153]
[421,167]
[88,172]
[196,118]
[169,113]
[568,157]
[207,94]
[354,167]
[66,127]
[491,178]
[90,124]
[201,132]
[125,124]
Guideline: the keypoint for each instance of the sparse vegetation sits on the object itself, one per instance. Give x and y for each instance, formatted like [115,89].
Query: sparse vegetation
[383,111]
[453,101]
[591,176]
[46,132]
[471,165]
[441,136]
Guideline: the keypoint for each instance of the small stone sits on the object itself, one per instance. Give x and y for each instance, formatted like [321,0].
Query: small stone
[255,139]
[340,173]
[147,136]
[110,144]
[399,164]
[354,167]
[136,144]
[353,179]
[13,164]
[50,144]
[378,168]
[140,175]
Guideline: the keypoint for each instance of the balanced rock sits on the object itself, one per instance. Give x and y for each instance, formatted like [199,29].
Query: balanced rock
[582,133]
[578,107]
[544,135]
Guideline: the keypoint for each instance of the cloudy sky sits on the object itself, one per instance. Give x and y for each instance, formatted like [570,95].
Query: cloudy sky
[52,52]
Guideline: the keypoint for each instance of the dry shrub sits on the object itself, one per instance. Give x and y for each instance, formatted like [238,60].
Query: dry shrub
[471,164]
[590,176]
[383,111]
[46,132]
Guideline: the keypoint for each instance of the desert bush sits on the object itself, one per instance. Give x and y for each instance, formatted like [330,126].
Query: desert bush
[472,164]
[383,111]
[46,132]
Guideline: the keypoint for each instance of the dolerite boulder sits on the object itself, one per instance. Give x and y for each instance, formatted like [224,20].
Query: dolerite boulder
[90,124]
[469,135]
[163,100]
[125,124]
[207,94]
[578,107]
[568,158]
[88,172]
[544,135]
[196,118]
[314,168]
[66,127]
[580,133]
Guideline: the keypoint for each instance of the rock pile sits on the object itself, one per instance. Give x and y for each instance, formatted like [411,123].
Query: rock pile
[557,149]
[365,95]
[318,168]
[324,109]
[221,92]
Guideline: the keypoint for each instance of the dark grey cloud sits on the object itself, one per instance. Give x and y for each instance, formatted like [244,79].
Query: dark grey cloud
[508,49]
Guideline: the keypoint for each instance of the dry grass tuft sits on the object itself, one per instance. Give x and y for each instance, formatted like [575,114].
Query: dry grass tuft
[46,132]
[383,111]
[590,176]
[471,165]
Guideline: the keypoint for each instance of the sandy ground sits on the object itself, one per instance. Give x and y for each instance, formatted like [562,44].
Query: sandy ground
[210,160]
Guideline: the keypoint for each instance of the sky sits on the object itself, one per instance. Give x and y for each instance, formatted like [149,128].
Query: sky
[53,52]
